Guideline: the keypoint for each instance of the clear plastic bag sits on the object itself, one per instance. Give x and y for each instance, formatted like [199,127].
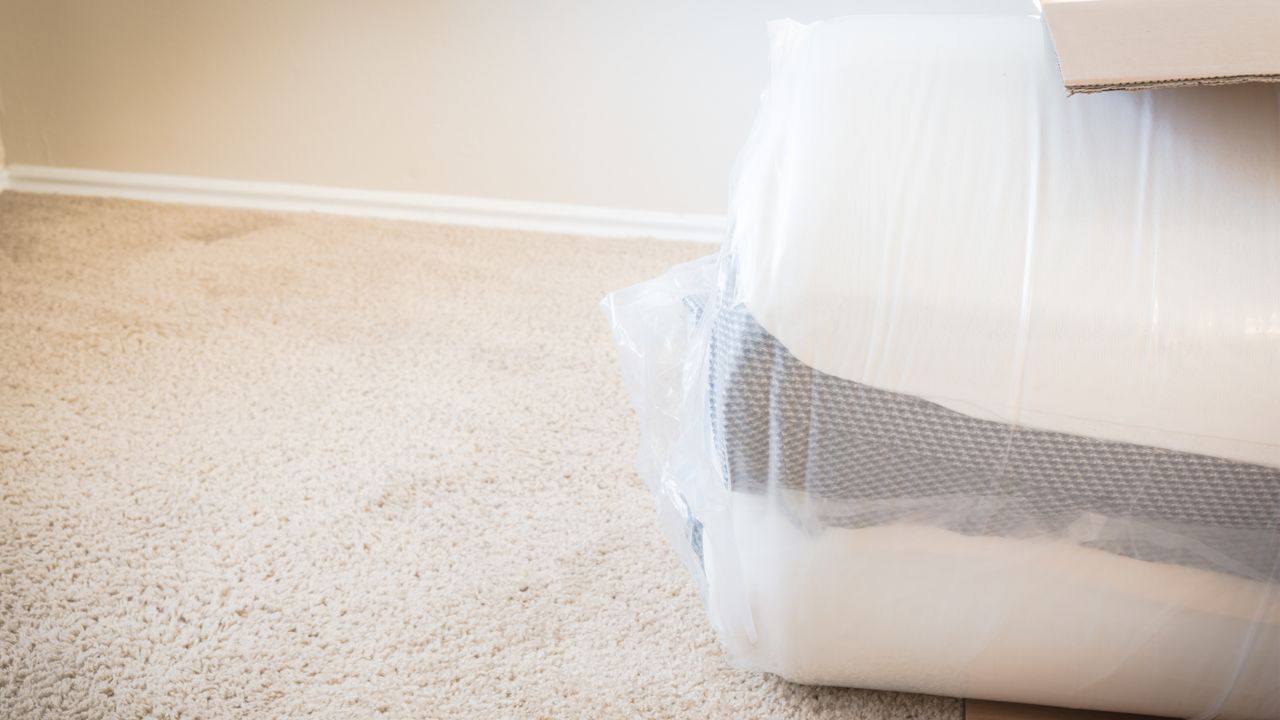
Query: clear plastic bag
[981,396]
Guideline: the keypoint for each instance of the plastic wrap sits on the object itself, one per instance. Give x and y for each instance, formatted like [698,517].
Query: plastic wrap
[981,395]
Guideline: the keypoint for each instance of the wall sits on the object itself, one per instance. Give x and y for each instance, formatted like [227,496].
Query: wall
[611,103]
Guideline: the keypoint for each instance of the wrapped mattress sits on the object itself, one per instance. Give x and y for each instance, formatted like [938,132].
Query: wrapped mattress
[981,396]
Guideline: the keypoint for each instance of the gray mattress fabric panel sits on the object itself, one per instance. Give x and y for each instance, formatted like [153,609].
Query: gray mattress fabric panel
[865,456]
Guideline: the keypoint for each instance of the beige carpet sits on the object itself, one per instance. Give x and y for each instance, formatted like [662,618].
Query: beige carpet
[258,465]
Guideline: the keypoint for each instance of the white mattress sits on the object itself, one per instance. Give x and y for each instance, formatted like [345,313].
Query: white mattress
[923,215]
[923,209]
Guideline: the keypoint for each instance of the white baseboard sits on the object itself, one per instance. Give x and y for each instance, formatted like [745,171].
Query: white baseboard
[4,179]
[446,209]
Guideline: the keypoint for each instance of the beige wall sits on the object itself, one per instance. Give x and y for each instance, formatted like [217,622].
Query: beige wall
[622,103]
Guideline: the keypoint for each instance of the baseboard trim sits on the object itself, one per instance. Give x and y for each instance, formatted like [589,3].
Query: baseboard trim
[4,179]
[422,207]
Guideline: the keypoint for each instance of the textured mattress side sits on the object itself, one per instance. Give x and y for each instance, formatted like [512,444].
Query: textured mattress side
[865,456]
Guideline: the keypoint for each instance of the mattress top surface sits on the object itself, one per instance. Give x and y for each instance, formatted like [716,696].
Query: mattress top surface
[922,209]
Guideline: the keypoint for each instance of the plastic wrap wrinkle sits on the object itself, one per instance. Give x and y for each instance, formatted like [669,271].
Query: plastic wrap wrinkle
[980,396]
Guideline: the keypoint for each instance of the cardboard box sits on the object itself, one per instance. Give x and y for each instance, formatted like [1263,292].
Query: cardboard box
[1136,44]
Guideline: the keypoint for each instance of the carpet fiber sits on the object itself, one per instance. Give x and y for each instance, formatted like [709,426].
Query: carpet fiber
[266,465]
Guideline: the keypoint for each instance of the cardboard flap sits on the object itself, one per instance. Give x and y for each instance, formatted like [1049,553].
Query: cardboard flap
[1135,44]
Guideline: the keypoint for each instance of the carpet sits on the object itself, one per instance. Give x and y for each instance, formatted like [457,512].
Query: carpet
[271,465]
